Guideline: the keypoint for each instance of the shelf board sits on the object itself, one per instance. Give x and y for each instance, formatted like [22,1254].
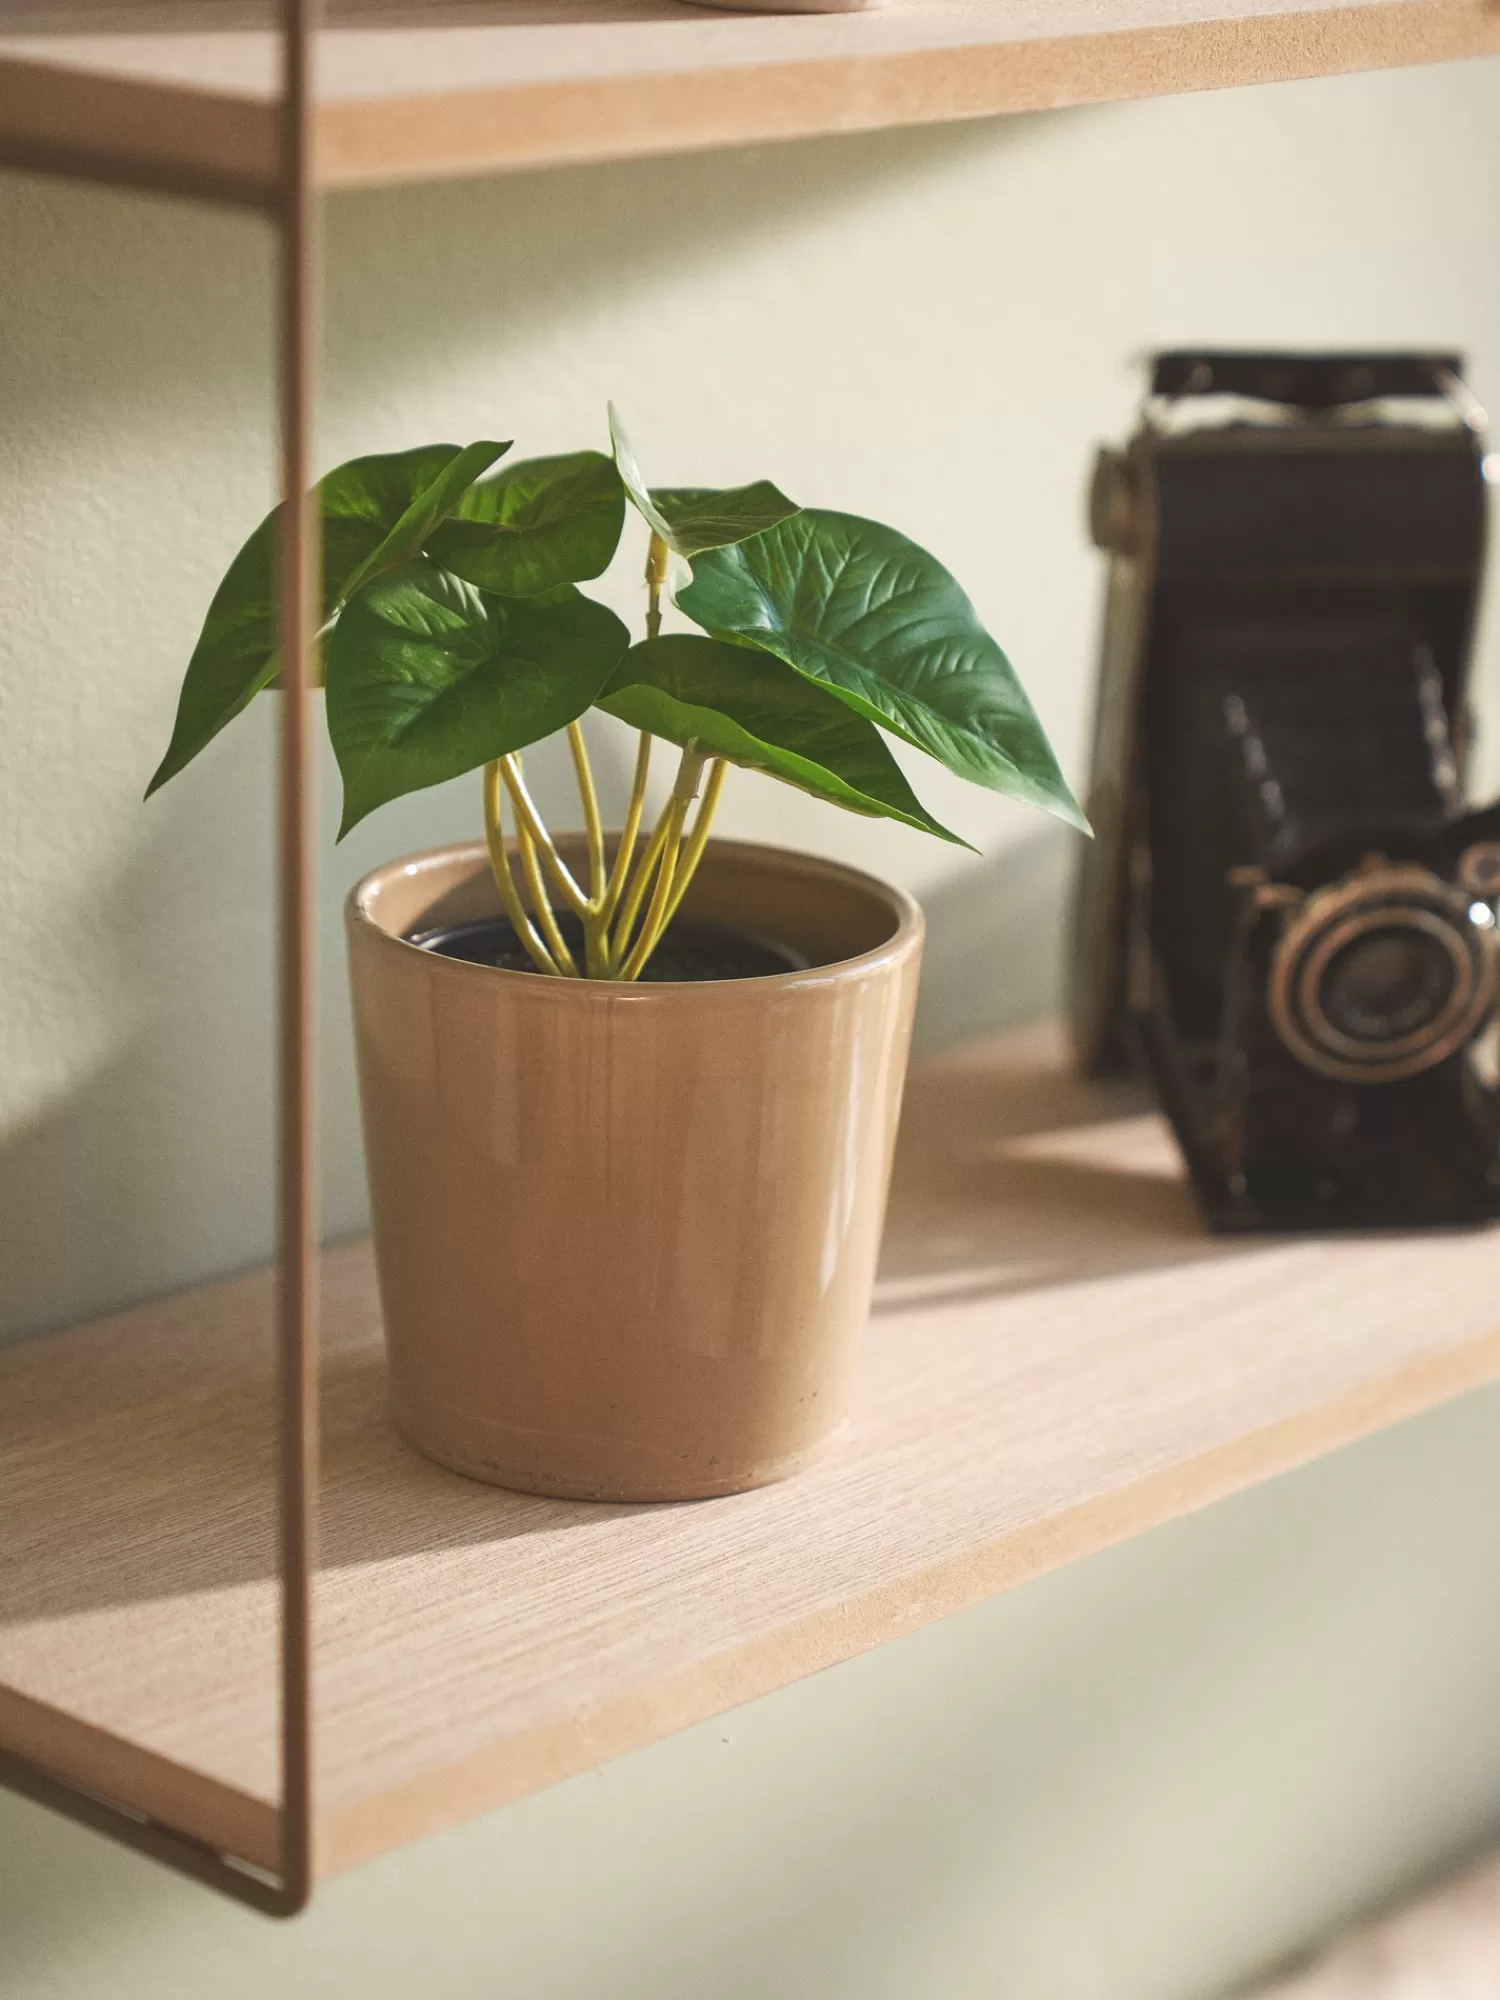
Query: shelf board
[181,92]
[1060,1358]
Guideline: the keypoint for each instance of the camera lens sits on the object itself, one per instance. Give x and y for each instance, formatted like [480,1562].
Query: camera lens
[1383,974]
[1388,984]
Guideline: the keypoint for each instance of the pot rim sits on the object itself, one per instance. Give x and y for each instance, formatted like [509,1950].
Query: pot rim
[904,908]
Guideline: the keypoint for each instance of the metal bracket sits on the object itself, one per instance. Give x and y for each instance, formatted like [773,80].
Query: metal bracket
[293,211]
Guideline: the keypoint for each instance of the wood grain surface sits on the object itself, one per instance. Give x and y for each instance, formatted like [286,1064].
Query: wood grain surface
[156,91]
[1060,1357]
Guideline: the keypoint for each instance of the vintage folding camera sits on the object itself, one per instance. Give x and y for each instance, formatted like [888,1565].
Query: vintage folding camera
[1289,913]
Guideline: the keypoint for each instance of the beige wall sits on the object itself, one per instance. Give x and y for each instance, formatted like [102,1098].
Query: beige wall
[1132,1780]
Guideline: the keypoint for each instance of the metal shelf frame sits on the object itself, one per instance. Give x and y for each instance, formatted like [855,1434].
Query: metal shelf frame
[291,207]
[289,200]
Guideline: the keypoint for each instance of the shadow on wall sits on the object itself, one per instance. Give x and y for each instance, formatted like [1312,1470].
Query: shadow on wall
[996,940]
[152,1166]
[153,1169]
[504,261]
[514,257]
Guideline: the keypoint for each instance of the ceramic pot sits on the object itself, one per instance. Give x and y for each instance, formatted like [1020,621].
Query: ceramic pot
[626,1235]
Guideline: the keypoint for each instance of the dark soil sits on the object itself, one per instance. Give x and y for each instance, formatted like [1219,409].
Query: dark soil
[693,949]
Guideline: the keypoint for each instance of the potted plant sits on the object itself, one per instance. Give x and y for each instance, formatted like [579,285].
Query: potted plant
[629,1097]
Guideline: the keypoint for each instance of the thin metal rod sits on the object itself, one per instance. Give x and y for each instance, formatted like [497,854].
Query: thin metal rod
[143,1835]
[297,1249]
[294,212]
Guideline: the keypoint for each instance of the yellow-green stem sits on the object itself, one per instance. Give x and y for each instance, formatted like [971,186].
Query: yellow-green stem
[658,561]
[636,893]
[592,826]
[629,833]
[515,909]
[661,895]
[528,818]
[689,772]
[692,853]
[541,903]
[669,836]
[620,887]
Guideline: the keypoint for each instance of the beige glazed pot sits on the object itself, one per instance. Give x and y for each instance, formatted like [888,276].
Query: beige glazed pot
[626,1235]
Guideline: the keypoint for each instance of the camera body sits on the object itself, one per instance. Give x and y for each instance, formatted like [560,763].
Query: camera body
[1288,911]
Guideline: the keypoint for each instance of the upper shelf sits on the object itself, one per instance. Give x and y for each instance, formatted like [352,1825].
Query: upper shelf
[181,92]
[1060,1357]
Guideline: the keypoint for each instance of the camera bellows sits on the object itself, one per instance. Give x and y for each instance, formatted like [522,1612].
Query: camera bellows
[1289,913]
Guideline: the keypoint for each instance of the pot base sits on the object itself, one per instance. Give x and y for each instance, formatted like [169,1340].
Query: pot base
[583,1468]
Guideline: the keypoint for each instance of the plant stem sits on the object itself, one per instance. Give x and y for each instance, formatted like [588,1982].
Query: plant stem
[529,819]
[658,561]
[661,895]
[692,854]
[515,909]
[666,867]
[615,887]
[592,827]
[635,894]
[668,839]
[689,772]
[620,886]
[541,903]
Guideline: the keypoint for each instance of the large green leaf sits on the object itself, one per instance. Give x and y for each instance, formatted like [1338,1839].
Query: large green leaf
[866,613]
[535,525]
[429,677]
[752,709]
[409,536]
[370,508]
[692,519]
[703,517]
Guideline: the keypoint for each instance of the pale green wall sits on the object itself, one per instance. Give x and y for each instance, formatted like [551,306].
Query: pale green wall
[1136,1779]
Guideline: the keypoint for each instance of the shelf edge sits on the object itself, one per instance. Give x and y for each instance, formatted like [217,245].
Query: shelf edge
[457,134]
[203,1808]
[218,146]
[350,1835]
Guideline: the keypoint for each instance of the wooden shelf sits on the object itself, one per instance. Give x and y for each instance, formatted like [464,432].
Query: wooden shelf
[1060,1358]
[180,92]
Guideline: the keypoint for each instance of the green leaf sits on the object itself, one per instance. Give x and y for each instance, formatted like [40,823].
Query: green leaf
[634,480]
[750,708]
[409,536]
[367,507]
[864,612]
[702,518]
[429,677]
[692,519]
[535,525]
